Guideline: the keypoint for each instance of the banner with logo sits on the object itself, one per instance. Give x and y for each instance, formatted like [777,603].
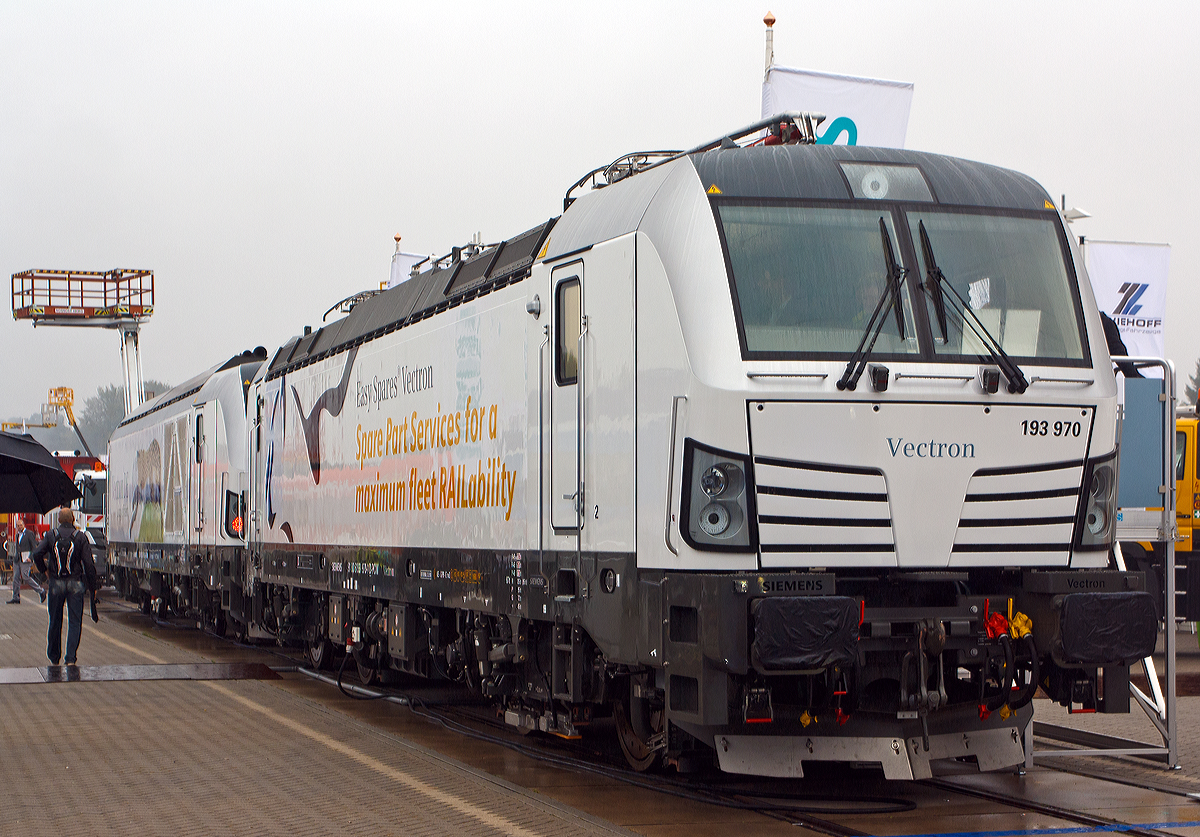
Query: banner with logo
[1130,282]
[858,111]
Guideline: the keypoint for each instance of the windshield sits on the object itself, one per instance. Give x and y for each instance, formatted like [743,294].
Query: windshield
[1012,273]
[806,279]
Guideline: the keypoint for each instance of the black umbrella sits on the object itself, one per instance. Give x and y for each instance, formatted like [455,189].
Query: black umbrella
[30,477]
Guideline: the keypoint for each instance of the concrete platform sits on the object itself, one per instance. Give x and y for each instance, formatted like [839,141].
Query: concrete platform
[216,751]
[86,674]
[97,755]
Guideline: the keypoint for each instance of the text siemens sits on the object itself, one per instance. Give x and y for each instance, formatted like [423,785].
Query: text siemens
[932,449]
[803,585]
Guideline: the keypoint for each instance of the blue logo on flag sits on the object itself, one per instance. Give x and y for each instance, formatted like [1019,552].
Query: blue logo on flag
[1130,292]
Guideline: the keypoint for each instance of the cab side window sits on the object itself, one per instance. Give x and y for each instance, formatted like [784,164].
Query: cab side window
[566,326]
[235,512]
[1180,454]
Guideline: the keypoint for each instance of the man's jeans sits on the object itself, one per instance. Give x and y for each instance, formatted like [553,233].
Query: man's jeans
[67,591]
[21,573]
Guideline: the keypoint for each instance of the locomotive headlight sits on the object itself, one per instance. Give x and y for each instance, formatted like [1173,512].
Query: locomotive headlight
[714,519]
[716,501]
[714,481]
[1097,510]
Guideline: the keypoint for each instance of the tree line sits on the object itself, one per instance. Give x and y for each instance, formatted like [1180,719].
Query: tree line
[102,412]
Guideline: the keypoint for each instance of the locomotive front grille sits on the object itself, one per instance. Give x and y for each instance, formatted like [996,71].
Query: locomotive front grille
[829,515]
[1011,512]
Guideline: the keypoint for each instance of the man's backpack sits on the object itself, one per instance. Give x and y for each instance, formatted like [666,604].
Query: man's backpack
[63,552]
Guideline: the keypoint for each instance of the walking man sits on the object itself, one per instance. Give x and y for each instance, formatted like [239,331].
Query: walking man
[22,544]
[66,557]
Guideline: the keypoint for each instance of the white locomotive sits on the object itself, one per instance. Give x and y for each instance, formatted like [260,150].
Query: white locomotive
[777,452]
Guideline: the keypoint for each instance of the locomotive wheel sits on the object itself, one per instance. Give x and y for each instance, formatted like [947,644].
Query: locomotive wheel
[241,632]
[217,623]
[319,653]
[368,666]
[635,721]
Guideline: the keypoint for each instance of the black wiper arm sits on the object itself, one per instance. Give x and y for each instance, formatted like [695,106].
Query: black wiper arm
[936,279]
[932,286]
[895,274]
[890,299]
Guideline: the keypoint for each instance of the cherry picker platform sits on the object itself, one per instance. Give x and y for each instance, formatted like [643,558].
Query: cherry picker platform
[116,299]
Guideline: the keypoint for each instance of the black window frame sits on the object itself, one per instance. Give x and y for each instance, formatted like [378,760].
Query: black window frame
[96,487]
[907,247]
[1181,455]
[559,290]
[885,207]
[235,502]
[1069,263]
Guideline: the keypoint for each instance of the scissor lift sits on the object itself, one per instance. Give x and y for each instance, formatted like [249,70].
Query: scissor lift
[115,299]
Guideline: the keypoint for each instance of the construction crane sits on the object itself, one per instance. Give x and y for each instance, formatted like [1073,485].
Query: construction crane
[59,398]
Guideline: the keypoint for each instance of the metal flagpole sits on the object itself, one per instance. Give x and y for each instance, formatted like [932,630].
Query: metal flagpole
[770,57]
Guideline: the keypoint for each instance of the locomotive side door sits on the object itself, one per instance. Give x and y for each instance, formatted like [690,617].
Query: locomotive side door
[255,446]
[566,329]
[203,474]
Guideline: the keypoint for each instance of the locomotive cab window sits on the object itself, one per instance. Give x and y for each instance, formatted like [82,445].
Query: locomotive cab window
[566,327]
[1012,272]
[807,279]
[235,513]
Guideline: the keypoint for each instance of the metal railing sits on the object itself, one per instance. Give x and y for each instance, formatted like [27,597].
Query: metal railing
[57,294]
[1149,524]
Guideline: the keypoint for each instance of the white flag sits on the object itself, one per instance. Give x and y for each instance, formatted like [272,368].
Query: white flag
[858,111]
[402,266]
[1130,282]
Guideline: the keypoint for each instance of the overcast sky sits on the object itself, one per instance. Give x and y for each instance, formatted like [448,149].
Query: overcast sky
[259,156]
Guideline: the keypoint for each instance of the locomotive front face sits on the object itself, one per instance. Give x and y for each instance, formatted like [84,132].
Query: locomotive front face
[917,385]
[916,445]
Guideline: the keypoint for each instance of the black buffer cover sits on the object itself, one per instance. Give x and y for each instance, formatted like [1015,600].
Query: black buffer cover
[804,632]
[1108,627]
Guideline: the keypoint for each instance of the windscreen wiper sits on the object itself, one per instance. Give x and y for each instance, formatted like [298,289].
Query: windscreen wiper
[890,299]
[934,279]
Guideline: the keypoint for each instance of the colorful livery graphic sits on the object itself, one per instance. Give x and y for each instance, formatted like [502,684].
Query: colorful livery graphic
[775,452]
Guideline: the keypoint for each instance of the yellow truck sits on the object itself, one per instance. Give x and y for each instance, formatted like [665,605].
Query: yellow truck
[1187,481]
